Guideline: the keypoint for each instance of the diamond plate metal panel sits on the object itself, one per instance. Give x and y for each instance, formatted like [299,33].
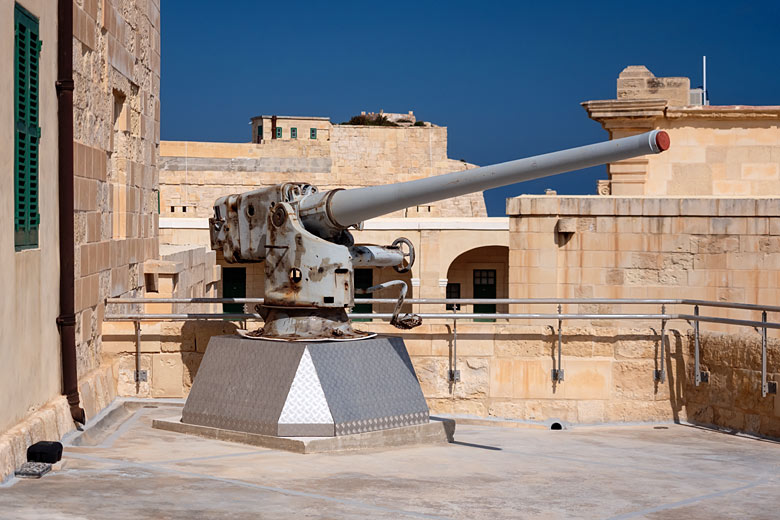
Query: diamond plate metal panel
[369,384]
[242,384]
[306,402]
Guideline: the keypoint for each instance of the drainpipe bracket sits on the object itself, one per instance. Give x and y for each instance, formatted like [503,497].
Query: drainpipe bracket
[64,85]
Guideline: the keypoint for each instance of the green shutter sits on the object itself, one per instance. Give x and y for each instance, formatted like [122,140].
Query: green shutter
[278,132]
[293,133]
[312,133]
[27,48]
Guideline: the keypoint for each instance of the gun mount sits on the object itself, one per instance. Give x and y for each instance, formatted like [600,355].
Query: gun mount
[302,234]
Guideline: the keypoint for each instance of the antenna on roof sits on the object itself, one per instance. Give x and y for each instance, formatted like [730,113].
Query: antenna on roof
[704,79]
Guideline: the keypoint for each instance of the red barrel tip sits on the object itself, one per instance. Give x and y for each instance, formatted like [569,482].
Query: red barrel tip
[662,141]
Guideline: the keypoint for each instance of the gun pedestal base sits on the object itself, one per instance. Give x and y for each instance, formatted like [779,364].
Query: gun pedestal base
[305,389]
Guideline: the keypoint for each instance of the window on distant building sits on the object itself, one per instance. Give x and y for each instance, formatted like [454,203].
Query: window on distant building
[453,292]
[259,132]
[293,133]
[364,278]
[312,133]
[27,48]
[278,132]
[233,286]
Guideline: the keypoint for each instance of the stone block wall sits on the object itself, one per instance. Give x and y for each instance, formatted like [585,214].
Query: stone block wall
[722,151]
[732,398]
[637,82]
[170,351]
[705,158]
[116,62]
[193,175]
[640,247]
[505,371]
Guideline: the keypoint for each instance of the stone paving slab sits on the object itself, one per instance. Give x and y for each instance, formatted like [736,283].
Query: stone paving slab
[433,432]
[487,473]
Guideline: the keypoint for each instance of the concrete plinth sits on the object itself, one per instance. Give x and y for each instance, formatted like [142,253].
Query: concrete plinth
[305,389]
[432,432]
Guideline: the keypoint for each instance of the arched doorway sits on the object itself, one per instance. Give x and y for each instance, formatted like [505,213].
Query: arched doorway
[481,272]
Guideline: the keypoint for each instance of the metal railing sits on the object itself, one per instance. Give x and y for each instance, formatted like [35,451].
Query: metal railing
[557,374]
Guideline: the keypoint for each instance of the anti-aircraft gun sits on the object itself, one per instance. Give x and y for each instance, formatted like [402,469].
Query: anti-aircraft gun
[303,235]
[299,377]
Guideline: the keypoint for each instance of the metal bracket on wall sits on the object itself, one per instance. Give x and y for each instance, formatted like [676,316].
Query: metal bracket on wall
[140,376]
[454,376]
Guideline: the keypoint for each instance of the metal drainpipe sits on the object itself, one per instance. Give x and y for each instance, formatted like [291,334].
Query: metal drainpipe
[273,127]
[66,321]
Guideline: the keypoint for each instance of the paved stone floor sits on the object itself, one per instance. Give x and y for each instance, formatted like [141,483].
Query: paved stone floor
[490,472]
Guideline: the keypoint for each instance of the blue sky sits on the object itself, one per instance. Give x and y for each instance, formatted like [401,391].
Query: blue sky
[506,78]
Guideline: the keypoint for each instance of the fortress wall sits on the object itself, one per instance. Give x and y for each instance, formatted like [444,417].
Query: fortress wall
[712,157]
[195,174]
[637,247]
[505,372]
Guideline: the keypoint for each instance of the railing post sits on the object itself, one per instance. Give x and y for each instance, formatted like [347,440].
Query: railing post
[696,368]
[454,372]
[137,375]
[557,373]
[764,385]
[660,375]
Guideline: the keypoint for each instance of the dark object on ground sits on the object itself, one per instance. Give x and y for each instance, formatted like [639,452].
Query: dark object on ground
[45,451]
[33,470]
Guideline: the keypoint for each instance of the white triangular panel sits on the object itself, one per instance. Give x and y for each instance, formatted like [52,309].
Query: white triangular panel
[306,403]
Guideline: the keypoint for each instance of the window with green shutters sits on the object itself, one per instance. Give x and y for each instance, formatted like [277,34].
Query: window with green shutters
[27,48]
[293,133]
[312,133]
[278,132]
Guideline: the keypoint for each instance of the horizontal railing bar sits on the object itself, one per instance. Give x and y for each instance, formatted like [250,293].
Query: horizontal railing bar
[729,321]
[182,317]
[509,316]
[476,301]
[184,300]
[518,301]
[460,316]
[729,305]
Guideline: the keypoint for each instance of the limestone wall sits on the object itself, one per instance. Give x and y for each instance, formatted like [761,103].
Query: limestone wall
[713,156]
[116,62]
[732,398]
[505,371]
[637,247]
[168,348]
[30,367]
[193,175]
[723,151]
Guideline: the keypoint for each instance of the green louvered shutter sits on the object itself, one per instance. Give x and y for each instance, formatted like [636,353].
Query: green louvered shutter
[27,48]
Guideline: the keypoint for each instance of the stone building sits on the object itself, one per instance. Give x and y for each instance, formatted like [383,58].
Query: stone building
[721,151]
[702,220]
[266,128]
[194,174]
[115,58]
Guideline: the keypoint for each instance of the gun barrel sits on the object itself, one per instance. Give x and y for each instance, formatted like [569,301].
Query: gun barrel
[348,207]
